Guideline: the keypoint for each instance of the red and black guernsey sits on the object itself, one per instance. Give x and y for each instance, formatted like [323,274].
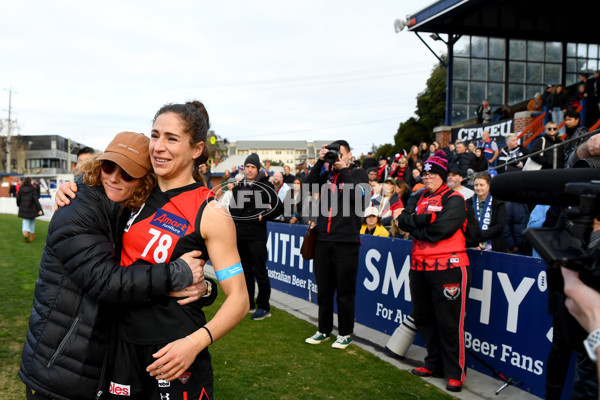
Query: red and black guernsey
[166,227]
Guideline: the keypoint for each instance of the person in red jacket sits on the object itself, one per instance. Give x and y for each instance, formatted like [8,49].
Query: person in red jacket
[440,275]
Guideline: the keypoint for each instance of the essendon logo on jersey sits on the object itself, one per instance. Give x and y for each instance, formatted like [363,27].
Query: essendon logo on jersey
[452,291]
[184,377]
[170,222]
[119,390]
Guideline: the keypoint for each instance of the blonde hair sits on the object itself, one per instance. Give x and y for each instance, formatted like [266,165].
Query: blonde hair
[91,170]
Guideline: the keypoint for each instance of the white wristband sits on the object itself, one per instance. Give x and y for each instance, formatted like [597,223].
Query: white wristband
[591,344]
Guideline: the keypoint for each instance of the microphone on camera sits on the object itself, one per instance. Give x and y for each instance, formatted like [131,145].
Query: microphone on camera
[541,187]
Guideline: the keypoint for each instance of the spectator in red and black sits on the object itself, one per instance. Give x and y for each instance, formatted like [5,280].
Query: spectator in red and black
[369,161]
[383,169]
[394,167]
[511,151]
[401,170]
[389,202]
[440,275]
[464,160]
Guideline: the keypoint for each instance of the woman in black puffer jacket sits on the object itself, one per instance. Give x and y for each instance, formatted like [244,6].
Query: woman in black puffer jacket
[81,282]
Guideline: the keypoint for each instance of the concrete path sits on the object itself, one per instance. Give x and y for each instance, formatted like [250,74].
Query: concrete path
[477,385]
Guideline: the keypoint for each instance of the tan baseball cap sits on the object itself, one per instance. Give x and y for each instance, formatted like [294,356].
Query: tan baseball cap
[129,150]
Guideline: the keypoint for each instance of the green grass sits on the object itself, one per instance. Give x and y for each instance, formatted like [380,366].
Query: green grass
[265,359]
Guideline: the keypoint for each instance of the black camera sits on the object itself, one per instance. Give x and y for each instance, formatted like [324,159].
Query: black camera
[333,155]
[568,247]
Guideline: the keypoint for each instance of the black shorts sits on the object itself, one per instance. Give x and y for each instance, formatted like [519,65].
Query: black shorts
[129,379]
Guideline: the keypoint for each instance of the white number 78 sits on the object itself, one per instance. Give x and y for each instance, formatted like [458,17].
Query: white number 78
[162,250]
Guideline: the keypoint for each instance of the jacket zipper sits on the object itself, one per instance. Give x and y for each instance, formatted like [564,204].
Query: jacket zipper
[63,342]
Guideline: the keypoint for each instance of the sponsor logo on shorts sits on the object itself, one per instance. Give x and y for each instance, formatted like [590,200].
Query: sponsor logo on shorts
[452,291]
[454,260]
[165,396]
[184,377]
[119,389]
[163,383]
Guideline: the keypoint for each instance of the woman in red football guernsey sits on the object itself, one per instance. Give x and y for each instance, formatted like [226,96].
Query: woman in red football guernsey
[161,350]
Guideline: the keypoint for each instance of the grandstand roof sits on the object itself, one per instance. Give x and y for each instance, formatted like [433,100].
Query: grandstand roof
[558,21]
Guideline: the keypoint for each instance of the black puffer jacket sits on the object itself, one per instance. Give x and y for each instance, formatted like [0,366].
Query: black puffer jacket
[28,203]
[79,279]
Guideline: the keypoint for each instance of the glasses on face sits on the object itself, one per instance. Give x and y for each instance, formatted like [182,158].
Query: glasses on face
[551,128]
[108,167]
[429,174]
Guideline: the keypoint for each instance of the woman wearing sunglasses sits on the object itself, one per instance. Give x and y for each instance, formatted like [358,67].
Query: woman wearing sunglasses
[81,284]
[550,138]
[161,350]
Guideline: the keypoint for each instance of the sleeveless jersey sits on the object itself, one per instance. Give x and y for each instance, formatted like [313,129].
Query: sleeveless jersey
[443,254]
[167,226]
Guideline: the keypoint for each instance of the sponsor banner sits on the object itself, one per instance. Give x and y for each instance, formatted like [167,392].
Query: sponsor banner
[289,272]
[507,325]
[498,131]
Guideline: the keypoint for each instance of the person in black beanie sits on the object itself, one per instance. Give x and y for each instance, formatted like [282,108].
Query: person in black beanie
[254,202]
[338,241]
[440,274]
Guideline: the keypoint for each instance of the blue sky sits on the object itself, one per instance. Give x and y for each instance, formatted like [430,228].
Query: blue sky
[311,70]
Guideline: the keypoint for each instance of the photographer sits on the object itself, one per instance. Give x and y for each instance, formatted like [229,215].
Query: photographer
[338,239]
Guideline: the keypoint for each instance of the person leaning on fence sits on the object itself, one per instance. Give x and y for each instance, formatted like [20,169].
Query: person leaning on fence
[510,152]
[440,275]
[337,242]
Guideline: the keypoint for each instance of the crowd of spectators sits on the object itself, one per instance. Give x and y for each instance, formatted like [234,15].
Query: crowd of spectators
[396,183]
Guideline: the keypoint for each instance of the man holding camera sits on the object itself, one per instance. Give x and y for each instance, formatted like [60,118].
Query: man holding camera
[345,191]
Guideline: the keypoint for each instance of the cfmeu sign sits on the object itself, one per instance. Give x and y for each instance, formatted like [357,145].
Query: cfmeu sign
[497,130]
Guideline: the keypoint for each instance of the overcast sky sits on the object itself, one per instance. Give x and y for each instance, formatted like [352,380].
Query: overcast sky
[308,70]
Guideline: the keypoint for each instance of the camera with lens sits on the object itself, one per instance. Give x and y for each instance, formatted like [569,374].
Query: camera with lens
[569,246]
[333,155]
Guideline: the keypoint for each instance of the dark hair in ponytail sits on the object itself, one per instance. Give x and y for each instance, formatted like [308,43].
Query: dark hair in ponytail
[194,117]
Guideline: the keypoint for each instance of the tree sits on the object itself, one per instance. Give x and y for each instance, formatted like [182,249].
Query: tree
[431,103]
[409,133]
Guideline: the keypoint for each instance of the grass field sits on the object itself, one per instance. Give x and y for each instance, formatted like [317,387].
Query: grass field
[258,360]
